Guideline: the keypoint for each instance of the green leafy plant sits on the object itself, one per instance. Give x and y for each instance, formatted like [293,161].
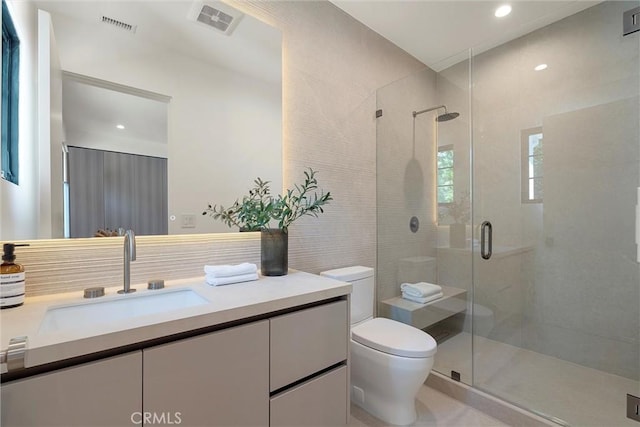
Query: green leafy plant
[257,210]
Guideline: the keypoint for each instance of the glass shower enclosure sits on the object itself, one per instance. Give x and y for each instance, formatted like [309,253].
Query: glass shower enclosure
[523,209]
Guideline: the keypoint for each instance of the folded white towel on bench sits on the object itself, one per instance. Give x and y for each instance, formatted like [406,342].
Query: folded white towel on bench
[420,289]
[422,300]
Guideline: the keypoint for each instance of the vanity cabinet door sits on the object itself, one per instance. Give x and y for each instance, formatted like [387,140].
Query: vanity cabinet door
[217,379]
[321,401]
[307,341]
[103,393]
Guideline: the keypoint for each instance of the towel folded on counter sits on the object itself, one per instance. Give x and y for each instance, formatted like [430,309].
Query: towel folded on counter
[218,275]
[220,281]
[420,289]
[230,270]
[422,300]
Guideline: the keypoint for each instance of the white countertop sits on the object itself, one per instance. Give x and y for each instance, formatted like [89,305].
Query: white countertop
[226,304]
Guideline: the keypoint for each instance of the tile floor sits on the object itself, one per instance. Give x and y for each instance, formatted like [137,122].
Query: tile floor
[434,409]
[579,395]
[576,394]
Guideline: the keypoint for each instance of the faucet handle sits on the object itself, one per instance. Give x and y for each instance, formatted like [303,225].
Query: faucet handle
[129,255]
[155,284]
[130,239]
[95,292]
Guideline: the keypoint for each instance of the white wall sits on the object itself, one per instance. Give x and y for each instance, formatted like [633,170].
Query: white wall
[50,133]
[332,67]
[224,128]
[19,203]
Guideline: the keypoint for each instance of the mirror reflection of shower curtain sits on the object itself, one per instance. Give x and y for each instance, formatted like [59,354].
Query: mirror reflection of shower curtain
[110,190]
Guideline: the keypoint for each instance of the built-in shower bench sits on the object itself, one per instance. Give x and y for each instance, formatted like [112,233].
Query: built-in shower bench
[454,301]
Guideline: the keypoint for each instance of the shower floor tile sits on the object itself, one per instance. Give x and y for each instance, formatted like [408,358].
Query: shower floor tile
[579,395]
[434,409]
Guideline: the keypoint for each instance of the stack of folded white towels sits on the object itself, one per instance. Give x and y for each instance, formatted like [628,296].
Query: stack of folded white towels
[421,292]
[218,275]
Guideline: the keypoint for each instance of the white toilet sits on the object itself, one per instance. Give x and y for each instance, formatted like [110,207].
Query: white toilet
[389,360]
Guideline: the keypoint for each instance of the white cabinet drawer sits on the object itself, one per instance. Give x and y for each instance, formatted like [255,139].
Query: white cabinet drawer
[216,379]
[307,341]
[321,401]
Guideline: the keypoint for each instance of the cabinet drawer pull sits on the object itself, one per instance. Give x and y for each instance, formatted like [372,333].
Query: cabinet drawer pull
[14,355]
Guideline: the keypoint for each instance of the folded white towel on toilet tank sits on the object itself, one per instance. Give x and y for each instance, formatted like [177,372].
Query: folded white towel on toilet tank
[230,270]
[220,281]
[422,300]
[420,289]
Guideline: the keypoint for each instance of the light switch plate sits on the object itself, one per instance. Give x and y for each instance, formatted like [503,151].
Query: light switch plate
[187,221]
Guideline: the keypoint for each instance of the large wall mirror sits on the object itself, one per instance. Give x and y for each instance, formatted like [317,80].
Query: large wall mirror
[215,73]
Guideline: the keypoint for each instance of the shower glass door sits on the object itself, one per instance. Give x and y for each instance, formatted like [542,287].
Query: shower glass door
[423,189]
[556,171]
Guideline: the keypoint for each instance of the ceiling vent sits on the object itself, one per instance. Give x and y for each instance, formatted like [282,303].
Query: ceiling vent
[216,15]
[119,24]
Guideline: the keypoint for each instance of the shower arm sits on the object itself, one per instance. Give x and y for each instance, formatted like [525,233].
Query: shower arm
[415,113]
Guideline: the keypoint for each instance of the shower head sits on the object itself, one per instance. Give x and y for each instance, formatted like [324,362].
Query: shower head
[441,118]
[446,117]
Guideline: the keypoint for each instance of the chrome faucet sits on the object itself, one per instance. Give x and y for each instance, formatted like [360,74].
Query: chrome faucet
[129,255]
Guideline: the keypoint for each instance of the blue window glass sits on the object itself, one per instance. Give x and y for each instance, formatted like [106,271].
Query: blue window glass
[10,74]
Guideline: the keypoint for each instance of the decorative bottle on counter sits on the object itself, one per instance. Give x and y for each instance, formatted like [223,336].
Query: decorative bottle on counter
[11,278]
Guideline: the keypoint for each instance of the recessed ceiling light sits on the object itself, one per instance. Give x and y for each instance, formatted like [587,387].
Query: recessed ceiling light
[120,126]
[541,67]
[502,11]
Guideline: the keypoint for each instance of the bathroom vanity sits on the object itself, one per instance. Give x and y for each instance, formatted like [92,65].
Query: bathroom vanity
[269,352]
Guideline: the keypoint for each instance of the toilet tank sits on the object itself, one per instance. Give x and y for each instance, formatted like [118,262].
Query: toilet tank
[362,294]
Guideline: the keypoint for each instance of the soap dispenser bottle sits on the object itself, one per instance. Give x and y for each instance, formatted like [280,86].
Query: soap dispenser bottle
[11,278]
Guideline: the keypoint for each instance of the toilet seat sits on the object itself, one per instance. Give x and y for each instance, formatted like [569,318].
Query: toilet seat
[395,338]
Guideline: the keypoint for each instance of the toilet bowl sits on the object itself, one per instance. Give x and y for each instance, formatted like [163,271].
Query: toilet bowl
[389,360]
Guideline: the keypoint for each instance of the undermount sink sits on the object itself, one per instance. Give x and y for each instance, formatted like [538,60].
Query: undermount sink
[121,307]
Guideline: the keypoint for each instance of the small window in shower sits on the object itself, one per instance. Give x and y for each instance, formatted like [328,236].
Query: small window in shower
[532,165]
[445,174]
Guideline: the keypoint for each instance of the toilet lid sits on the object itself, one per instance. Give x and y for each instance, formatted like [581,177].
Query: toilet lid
[395,338]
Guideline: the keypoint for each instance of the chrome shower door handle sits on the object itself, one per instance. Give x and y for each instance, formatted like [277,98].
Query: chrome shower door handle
[486,240]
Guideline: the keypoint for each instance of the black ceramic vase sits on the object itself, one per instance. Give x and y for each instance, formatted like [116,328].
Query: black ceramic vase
[274,252]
